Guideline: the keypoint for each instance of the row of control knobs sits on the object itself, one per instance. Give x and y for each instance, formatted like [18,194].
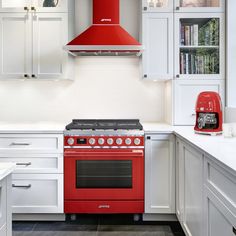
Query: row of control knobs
[109,141]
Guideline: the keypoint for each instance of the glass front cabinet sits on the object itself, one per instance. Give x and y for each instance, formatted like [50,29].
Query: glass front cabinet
[199,5]
[157,5]
[33,5]
[199,46]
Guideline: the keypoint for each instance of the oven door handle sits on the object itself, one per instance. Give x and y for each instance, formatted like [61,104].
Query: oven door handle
[133,153]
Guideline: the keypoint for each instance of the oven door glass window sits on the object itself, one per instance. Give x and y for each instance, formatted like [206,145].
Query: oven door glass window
[103,174]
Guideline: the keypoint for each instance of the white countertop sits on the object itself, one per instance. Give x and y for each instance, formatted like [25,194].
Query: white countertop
[218,147]
[37,127]
[6,168]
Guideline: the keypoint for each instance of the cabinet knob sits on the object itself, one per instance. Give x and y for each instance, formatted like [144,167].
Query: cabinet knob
[33,8]
[234,230]
[145,8]
[26,8]
[26,76]
[177,8]
[148,137]
[177,76]
[33,76]
[145,76]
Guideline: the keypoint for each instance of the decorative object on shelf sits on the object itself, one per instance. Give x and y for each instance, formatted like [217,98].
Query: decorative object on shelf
[50,3]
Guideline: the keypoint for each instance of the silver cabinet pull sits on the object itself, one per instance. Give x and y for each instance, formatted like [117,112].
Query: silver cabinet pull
[20,144]
[24,164]
[21,186]
[104,206]
[234,230]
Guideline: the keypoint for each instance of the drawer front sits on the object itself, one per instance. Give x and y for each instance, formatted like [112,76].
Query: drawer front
[35,163]
[222,183]
[31,143]
[3,201]
[34,193]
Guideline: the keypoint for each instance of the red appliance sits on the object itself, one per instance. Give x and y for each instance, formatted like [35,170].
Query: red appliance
[104,169]
[209,116]
[105,36]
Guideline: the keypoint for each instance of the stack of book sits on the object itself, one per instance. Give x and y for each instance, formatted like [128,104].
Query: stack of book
[194,35]
[199,63]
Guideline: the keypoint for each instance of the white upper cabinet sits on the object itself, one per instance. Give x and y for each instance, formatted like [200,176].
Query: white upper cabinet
[33,5]
[158,46]
[157,5]
[49,60]
[14,45]
[31,42]
[199,5]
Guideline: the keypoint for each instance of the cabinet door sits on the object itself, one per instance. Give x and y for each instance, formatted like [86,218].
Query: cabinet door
[193,191]
[15,50]
[179,180]
[185,97]
[157,5]
[219,220]
[200,46]
[160,174]
[37,193]
[158,46]
[199,5]
[50,34]
[3,203]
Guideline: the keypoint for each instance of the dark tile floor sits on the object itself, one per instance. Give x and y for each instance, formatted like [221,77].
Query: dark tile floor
[98,225]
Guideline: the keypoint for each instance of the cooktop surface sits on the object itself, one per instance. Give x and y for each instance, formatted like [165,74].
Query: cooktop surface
[105,125]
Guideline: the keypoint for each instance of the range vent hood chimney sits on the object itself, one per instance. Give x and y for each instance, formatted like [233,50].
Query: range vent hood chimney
[105,36]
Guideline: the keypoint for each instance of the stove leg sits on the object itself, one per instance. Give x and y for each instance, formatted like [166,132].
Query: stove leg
[137,217]
[73,217]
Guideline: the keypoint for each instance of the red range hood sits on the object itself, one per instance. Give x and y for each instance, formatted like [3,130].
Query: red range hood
[105,36]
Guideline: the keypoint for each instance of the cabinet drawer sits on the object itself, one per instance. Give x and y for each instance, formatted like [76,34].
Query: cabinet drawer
[222,183]
[35,163]
[31,143]
[37,193]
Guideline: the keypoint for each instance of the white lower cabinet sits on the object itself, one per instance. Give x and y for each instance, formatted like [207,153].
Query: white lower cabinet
[37,193]
[159,173]
[185,97]
[189,188]
[205,193]
[37,182]
[220,200]
[5,207]
[219,220]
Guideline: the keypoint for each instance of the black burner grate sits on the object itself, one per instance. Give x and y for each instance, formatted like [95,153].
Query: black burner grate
[105,125]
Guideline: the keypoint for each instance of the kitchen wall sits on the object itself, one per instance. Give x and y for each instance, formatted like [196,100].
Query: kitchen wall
[104,87]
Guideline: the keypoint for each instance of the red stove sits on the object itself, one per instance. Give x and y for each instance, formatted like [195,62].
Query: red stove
[104,166]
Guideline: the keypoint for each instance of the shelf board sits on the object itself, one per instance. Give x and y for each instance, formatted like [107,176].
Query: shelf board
[197,47]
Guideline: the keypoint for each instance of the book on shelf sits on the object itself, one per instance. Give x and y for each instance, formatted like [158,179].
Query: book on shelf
[199,62]
[189,35]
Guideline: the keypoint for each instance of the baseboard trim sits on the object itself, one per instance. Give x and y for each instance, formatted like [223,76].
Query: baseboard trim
[159,217]
[38,217]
